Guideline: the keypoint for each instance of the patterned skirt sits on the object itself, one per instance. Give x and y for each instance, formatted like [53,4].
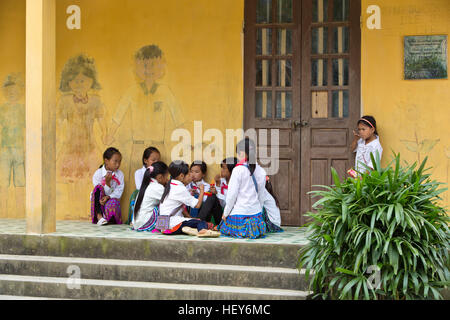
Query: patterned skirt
[149,226]
[270,227]
[110,211]
[243,226]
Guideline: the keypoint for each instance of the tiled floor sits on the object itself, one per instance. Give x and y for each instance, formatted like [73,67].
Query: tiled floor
[291,235]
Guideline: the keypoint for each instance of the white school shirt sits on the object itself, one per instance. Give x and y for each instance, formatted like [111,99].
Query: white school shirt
[363,152]
[139,176]
[222,191]
[273,212]
[242,197]
[152,197]
[193,184]
[116,189]
[178,195]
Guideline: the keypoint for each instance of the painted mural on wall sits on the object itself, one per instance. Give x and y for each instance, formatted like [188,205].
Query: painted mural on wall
[79,107]
[151,106]
[12,136]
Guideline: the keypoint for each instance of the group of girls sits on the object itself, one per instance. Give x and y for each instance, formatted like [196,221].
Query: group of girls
[238,203]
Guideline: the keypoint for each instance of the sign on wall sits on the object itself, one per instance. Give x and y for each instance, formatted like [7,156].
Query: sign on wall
[425,57]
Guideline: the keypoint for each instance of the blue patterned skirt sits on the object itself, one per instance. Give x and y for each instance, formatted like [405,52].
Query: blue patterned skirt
[243,226]
[271,227]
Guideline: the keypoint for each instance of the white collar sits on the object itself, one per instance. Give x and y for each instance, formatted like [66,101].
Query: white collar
[177,182]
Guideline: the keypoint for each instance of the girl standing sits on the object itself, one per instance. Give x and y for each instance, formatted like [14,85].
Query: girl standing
[108,183]
[365,142]
[174,200]
[146,208]
[242,216]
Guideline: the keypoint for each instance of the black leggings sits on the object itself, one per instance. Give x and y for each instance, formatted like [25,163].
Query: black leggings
[211,208]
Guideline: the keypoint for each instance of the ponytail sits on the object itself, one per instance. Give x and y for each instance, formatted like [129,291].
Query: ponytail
[151,172]
[271,192]
[166,191]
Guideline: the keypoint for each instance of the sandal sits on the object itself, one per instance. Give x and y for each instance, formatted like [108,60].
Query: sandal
[190,231]
[209,234]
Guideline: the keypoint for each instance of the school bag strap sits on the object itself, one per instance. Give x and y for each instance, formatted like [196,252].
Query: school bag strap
[253,177]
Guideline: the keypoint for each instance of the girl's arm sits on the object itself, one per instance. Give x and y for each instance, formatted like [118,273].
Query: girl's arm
[201,187]
[233,190]
[117,192]
[355,141]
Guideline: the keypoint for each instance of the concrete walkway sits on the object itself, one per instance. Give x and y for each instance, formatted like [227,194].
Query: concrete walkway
[291,235]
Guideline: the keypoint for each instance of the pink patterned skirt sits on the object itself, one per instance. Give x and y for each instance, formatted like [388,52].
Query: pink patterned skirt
[110,211]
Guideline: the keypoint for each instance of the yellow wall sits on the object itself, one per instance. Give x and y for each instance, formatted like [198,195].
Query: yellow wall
[201,41]
[12,61]
[407,111]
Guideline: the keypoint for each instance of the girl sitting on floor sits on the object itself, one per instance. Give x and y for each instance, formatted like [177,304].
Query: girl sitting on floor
[222,180]
[174,200]
[108,183]
[146,209]
[211,207]
[242,216]
[271,209]
[150,156]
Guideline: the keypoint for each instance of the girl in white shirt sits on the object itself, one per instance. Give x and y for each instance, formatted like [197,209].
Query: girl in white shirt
[149,157]
[146,208]
[175,199]
[222,180]
[365,142]
[242,216]
[108,183]
[271,209]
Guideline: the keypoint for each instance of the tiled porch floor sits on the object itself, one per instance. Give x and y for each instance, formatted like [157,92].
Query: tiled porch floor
[291,235]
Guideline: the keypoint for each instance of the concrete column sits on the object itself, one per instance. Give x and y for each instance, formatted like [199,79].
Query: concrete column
[40,163]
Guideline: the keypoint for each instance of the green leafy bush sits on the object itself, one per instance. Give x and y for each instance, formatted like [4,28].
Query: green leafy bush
[380,236]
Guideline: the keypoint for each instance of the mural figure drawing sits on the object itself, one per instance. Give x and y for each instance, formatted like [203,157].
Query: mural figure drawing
[78,109]
[12,144]
[151,105]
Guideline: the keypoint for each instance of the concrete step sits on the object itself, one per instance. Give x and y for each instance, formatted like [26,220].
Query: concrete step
[55,287]
[190,251]
[155,271]
[3,297]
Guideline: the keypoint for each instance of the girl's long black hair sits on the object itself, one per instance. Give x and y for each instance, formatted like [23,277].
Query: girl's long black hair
[269,189]
[148,152]
[230,163]
[108,154]
[372,122]
[248,146]
[175,169]
[158,168]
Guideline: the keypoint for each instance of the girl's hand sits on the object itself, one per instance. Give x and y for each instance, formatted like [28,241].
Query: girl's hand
[108,179]
[224,218]
[217,178]
[104,200]
[355,135]
[201,187]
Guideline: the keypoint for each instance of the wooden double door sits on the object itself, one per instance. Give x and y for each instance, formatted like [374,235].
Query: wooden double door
[302,77]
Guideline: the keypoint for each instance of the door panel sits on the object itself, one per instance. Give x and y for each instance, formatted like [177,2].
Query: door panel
[302,77]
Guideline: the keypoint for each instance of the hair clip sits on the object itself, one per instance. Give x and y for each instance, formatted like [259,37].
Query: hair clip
[151,169]
[267,179]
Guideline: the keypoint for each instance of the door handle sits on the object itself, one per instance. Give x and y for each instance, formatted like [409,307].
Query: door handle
[299,124]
